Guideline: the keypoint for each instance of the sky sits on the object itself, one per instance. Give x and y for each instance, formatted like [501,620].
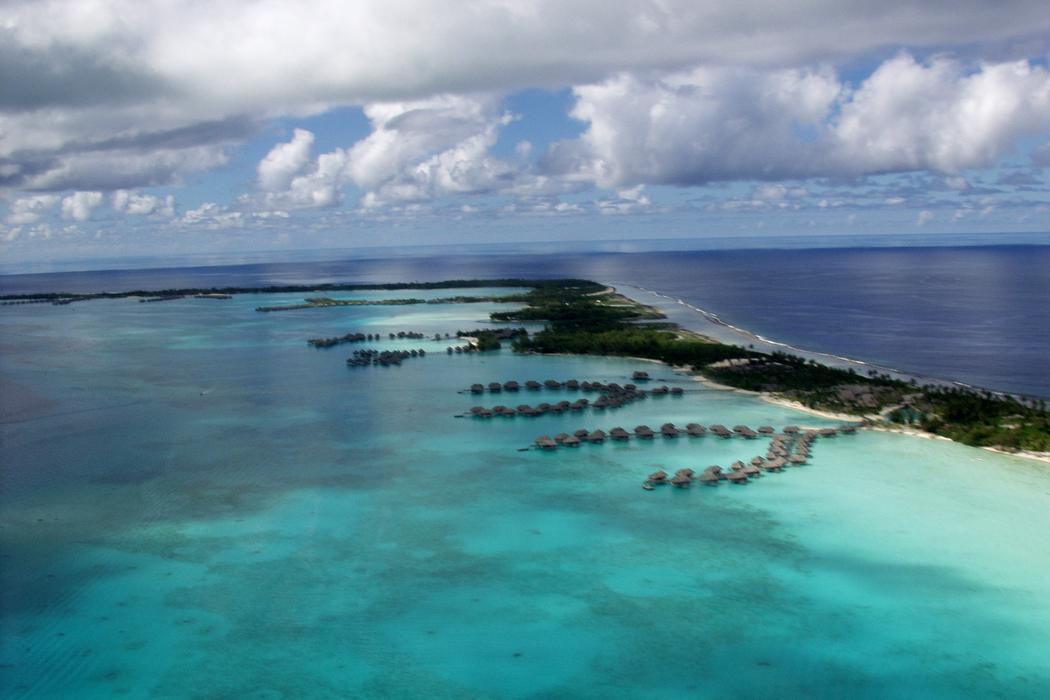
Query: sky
[156,127]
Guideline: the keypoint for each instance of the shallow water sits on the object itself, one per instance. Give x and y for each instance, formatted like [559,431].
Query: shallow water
[197,504]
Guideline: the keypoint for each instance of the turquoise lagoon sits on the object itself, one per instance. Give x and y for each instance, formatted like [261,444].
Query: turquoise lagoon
[197,504]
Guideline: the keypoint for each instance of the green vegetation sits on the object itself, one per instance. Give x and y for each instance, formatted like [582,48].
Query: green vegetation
[583,317]
[582,320]
[297,288]
[489,338]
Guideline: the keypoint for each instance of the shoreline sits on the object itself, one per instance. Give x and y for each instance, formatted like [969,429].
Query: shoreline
[830,415]
[750,337]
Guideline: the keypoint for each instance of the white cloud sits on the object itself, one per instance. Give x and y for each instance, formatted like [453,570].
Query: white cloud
[285,161]
[711,123]
[79,205]
[924,217]
[143,204]
[910,116]
[416,151]
[106,95]
[29,210]
[731,123]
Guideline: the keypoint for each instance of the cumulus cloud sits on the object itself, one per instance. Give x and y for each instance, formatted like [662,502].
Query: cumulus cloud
[416,150]
[29,210]
[911,116]
[731,123]
[82,79]
[79,205]
[143,204]
[285,161]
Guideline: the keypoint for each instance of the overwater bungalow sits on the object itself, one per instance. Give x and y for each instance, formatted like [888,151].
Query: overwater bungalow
[477,388]
[827,432]
[640,376]
[686,471]
[581,433]
[532,384]
[774,465]
[695,429]
[552,384]
[681,481]
[644,431]
[668,430]
[544,442]
[619,433]
[736,477]
[511,385]
[658,477]
[449,350]
[677,391]
[798,459]
[751,471]
[526,410]
[495,387]
[477,409]
[848,429]
[659,390]
[560,438]
[766,429]
[737,466]
[563,405]
[543,407]
[596,436]
[572,384]
[757,461]
[709,478]
[571,441]
[791,429]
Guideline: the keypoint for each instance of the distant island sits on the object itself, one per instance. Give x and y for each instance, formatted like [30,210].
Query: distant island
[586,318]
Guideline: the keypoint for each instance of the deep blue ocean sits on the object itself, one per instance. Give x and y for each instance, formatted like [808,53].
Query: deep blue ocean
[978,314]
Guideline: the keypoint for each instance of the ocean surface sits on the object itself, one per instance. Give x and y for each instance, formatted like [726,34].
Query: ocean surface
[194,503]
[977,315]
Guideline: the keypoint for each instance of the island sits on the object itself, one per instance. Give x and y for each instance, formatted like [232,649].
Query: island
[583,317]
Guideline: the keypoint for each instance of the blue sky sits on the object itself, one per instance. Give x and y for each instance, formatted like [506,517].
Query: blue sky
[156,128]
